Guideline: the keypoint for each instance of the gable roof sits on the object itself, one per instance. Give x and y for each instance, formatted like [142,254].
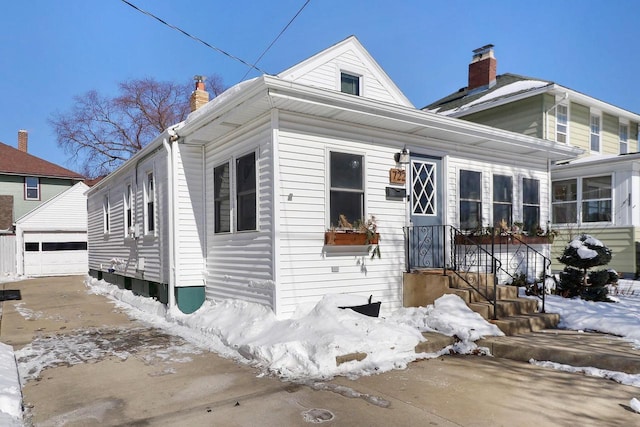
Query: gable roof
[16,162]
[51,212]
[351,55]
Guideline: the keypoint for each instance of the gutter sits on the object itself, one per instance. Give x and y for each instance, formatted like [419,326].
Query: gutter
[171,153]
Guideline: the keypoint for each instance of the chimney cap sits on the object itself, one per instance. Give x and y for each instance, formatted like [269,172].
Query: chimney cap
[198,78]
[483,49]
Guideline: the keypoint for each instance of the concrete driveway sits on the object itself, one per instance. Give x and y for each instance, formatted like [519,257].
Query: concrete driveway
[112,370]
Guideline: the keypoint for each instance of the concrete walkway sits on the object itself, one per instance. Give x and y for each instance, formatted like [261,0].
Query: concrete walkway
[160,380]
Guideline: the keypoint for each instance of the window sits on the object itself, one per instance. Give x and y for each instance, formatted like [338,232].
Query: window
[64,246]
[150,200]
[128,214]
[246,192]
[564,201]
[31,188]
[596,199]
[470,200]
[502,200]
[350,83]
[595,133]
[561,123]
[347,187]
[31,246]
[530,205]
[106,211]
[221,199]
[624,138]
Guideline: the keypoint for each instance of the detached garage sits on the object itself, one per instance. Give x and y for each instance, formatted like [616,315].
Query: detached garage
[51,240]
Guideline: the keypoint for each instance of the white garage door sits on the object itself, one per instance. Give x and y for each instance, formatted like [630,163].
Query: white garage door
[55,254]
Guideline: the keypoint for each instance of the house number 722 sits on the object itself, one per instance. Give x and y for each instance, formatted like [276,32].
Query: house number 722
[397,176]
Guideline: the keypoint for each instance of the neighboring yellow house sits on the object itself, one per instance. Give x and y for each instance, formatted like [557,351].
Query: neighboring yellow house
[598,193]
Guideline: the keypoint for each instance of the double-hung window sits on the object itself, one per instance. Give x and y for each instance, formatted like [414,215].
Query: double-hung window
[470,200]
[221,199]
[31,188]
[565,201]
[128,211]
[624,138]
[596,199]
[562,115]
[595,133]
[502,200]
[349,83]
[347,187]
[246,212]
[530,205]
[150,196]
[106,214]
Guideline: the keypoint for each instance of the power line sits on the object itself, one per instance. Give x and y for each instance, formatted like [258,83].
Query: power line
[276,39]
[193,37]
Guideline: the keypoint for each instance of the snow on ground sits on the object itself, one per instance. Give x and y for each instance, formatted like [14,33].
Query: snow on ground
[305,346]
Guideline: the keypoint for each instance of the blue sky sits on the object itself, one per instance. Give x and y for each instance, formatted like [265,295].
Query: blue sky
[52,51]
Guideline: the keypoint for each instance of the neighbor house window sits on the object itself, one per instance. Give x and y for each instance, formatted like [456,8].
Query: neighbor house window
[502,200]
[106,214]
[347,187]
[31,188]
[596,199]
[221,199]
[595,133]
[530,205]
[565,201]
[470,200]
[246,214]
[561,123]
[624,138]
[128,213]
[350,83]
[150,198]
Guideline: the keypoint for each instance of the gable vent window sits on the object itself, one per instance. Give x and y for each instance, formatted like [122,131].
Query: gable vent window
[350,83]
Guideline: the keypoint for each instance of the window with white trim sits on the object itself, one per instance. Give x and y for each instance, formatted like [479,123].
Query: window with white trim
[562,115]
[470,200]
[502,200]
[350,83]
[222,199]
[128,211]
[564,201]
[31,188]
[346,195]
[150,198]
[623,132]
[596,199]
[595,133]
[106,214]
[530,205]
[246,194]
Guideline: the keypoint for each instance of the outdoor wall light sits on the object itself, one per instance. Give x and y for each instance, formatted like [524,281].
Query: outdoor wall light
[402,157]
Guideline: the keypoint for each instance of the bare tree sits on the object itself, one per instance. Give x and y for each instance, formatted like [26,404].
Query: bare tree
[100,132]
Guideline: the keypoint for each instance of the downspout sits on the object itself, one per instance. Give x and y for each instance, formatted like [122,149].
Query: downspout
[546,113]
[168,145]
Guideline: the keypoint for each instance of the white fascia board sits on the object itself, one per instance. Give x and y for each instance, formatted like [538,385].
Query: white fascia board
[394,112]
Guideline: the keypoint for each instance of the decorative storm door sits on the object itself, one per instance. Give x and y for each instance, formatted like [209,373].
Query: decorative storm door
[426,237]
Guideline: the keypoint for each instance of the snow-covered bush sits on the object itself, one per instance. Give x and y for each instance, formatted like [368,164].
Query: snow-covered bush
[581,254]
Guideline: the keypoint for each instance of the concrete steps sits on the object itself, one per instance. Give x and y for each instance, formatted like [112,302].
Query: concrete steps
[514,315]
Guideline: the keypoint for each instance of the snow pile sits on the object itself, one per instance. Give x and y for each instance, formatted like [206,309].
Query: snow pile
[10,391]
[619,377]
[307,345]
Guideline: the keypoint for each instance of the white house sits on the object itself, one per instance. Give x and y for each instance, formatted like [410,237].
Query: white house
[52,238]
[235,201]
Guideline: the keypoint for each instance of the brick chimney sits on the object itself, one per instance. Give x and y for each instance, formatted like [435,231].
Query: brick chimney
[482,69]
[23,140]
[199,96]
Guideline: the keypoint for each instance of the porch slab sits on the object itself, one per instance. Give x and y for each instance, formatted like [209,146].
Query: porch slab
[580,349]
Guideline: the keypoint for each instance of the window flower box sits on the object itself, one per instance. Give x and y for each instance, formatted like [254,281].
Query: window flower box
[337,237]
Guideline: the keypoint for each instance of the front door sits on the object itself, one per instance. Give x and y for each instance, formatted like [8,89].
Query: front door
[426,236]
